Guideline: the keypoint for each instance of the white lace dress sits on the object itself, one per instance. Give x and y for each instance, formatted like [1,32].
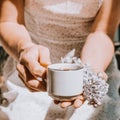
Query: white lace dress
[60,25]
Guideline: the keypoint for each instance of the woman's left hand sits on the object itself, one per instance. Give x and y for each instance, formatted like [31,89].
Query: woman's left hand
[79,100]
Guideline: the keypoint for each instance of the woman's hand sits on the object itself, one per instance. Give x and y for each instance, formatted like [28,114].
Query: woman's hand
[79,100]
[32,65]
[76,103]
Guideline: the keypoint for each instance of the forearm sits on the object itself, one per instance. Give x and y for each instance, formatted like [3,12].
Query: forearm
[14,38]
[98,51]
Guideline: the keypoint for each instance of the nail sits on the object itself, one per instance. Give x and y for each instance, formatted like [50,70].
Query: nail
[33,83]
[77,103]
[39,79]
[65,104]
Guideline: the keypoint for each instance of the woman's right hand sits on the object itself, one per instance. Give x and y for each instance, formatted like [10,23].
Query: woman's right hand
[32,65]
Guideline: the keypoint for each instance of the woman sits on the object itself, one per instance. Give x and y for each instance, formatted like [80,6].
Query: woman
[55,28]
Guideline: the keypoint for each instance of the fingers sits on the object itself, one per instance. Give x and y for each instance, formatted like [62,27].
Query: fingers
[32,66]
[77,102]
[103,75]
[31,62]
[36,69]
[21,70]
[33,83]
[36,59]
[29,80]
[37,85]
[65,104]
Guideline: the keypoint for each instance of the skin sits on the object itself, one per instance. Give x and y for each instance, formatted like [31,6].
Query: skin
[17,42]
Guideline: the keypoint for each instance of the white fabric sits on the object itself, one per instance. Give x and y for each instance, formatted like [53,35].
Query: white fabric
[66,7]
[39,106]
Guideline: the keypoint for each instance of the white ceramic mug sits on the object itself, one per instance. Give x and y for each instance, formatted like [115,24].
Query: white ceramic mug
[64,81]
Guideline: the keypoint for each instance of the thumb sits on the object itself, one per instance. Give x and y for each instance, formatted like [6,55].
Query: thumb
[36,69]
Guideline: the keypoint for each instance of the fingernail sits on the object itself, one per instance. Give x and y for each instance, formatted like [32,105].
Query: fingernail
[39,79]
[78,103]
[65,104]
[33,83]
